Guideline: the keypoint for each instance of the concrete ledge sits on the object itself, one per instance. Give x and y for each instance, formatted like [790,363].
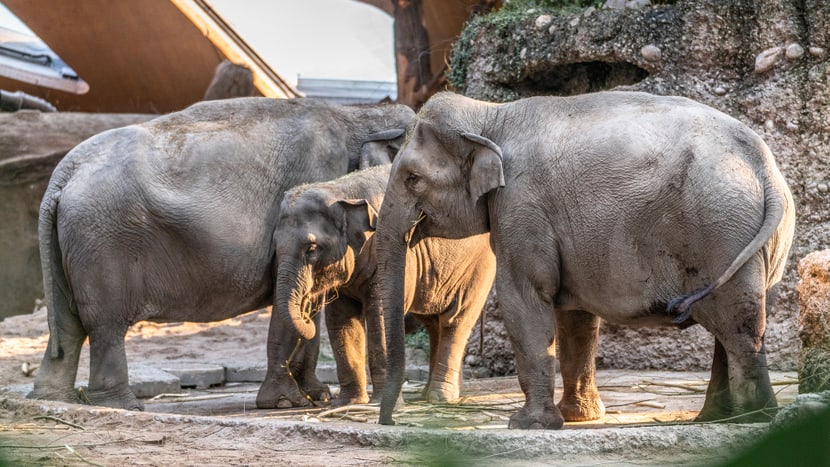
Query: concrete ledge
[638,442]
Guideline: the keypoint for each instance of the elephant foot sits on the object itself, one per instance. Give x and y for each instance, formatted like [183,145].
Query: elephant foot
[349,396]
[442,392]
[275,394]
[319,394]
[525,419]
[581,409]
[115,398]
[69,396]
[317,391]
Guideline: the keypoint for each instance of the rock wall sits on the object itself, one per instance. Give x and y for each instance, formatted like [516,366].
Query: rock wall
[31,144]
[763,62]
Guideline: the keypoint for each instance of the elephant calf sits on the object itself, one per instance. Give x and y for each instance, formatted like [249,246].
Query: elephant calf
[325,246]
[633,208]
[174,220]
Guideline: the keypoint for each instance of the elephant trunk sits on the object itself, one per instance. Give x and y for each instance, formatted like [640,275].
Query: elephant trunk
[293,300]
[391,252]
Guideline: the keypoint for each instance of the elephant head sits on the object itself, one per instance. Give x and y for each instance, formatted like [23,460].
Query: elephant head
[316,241]
[379,148]
[437,188]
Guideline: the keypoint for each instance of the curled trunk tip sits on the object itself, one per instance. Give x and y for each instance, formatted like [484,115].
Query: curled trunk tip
[294,305]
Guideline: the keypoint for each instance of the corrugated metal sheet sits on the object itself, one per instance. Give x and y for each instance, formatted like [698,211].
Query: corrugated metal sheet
[340,91]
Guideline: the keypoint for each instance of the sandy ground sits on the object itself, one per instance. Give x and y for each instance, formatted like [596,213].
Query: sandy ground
[645,424]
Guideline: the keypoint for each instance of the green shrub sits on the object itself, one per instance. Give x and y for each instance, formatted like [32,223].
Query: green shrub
[418,339]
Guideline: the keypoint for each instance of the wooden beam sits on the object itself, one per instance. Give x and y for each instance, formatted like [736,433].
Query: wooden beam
[224,38]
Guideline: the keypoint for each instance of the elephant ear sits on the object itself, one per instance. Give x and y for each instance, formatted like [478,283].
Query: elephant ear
[360,217]
[486,171]
[377,150]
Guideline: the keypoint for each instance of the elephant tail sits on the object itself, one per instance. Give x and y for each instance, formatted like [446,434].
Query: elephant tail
[57,292]
[776,206]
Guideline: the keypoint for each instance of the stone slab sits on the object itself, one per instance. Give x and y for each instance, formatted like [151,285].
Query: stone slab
[147,381]
[17,389]
[195,375]
[244,372]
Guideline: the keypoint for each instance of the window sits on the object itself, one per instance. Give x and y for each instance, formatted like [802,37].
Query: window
[24,57]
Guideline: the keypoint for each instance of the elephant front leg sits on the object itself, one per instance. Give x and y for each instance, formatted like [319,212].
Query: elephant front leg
[344,319]
[376,348]
[455,327]
[578,336]
[430,324]
[530,325]
[280,389]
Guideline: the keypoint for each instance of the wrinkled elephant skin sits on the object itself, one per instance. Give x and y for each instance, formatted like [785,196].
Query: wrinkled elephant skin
[173,220]
[623,206]
[325,252]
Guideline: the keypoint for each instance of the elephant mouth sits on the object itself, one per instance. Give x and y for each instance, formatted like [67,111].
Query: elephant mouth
[315,302]
[414,233]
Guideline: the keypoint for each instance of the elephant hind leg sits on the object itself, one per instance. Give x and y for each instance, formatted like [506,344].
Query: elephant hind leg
[577,336]
[108,376]
[739,388]
[718,398]
[55,378]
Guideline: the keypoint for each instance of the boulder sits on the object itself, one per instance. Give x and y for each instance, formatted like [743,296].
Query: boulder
[814,322]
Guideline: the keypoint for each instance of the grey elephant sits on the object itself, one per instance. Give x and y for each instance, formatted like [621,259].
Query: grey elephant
[173,220]
[633,208]
[325,245]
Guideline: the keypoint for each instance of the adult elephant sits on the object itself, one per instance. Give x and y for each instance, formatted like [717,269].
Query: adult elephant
[325,247]
[173,220]
[634,208]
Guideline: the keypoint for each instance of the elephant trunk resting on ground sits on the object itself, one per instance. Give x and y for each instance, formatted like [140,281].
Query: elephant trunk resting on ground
[325,245]
[625,206]
[173,220]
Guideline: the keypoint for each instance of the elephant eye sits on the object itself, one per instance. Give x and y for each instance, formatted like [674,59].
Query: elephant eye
[311,248]
[412,178]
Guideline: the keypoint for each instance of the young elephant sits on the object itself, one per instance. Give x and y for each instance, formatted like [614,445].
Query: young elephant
[325,248]
[173,220]
[625,206]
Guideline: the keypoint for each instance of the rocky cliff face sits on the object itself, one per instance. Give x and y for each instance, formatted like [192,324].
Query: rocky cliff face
[763,62]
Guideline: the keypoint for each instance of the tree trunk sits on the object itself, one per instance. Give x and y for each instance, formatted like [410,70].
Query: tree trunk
[422,28]
[412,55]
